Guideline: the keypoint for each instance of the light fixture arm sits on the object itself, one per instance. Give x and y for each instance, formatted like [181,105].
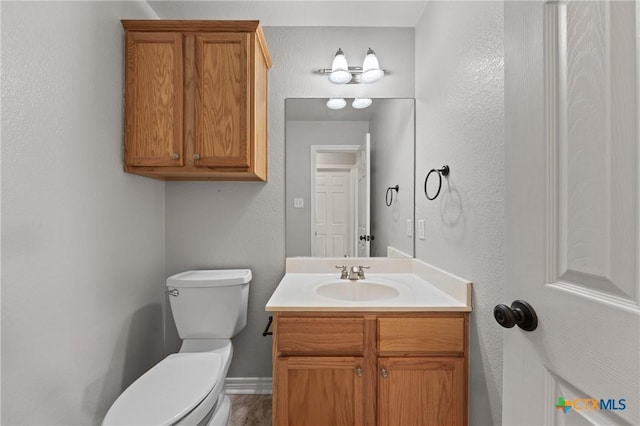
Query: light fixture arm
[355,71]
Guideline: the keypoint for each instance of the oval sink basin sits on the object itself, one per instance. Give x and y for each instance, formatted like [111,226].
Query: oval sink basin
[357,291]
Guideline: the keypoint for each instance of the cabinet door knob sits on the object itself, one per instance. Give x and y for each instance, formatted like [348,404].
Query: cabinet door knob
[175,156]
[196,156]
[384,372]
[358,371]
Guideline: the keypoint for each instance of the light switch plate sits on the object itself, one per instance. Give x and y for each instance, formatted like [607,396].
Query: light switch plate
[421,229]
[298,203]
[409,228]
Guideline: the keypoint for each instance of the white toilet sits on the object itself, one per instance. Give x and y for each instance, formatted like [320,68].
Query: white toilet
[209,307]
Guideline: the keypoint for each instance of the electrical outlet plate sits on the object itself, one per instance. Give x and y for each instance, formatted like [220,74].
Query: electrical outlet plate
[409,228]
[421,229]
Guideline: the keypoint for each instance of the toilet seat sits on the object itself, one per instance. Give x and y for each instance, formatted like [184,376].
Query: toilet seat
[168,391]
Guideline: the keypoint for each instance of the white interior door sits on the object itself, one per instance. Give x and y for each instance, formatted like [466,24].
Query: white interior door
[364,198]
[572,212]
[332,203]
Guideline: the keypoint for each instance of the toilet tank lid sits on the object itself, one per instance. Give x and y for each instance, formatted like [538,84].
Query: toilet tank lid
[167,392]
[210,278]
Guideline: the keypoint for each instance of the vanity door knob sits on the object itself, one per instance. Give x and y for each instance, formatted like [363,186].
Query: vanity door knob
[384,372]
[196,157]
[359,372]
[175,156]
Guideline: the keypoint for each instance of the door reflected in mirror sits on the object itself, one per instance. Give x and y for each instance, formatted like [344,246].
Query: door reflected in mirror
[350,179]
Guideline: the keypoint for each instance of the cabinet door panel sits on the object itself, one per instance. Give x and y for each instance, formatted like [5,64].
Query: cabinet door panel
[154,99]
[422,391]
[320,391]
[320,336]
[222,103]
[421,335]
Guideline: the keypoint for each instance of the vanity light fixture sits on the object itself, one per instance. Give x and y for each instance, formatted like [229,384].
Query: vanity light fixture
[361,103]
[342,73]
[336,103]
[340,69]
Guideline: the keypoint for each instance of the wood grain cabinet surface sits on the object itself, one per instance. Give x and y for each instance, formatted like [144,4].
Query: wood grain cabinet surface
[196,100]
[408,369]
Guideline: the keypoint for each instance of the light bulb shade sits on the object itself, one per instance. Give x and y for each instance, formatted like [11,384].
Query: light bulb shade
[339,61]
[336,103]
[340,77]
[340,69]
[371,71]
[360,103]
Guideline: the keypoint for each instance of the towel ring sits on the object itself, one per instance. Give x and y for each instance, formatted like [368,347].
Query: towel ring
[388,198]
[444,171]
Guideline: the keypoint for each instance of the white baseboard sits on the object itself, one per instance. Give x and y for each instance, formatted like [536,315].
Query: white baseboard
[249,385]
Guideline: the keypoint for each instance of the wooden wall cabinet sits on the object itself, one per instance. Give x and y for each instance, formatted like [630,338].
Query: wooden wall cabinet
[196,100]
[370,368]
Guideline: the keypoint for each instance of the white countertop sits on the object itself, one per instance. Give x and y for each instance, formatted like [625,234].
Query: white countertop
[419,287]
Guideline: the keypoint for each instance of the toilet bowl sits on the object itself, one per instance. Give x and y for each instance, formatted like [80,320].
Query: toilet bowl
[187,388]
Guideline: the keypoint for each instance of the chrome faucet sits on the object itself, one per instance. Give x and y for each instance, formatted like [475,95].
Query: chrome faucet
[354,273]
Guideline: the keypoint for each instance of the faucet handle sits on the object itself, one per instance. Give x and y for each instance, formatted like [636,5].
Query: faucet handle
[361,271]
[343,272]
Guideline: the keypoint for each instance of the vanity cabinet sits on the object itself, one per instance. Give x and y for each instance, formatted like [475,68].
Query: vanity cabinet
[196,100]
[395,368]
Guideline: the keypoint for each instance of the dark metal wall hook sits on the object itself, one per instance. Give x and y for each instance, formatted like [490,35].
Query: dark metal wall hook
[388,198]
[443,171]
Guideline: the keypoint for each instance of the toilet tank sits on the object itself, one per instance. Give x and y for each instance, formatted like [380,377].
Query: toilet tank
[209,304]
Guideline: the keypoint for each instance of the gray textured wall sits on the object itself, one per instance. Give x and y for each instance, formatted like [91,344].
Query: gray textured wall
[82,241]
[242,224]
[460,122]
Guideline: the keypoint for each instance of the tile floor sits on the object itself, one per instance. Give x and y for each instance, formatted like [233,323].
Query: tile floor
[250,410]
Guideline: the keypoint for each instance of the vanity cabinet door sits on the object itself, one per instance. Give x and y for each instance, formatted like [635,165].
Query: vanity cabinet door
[417,391]
[223,100]
[154,109]
[320,391]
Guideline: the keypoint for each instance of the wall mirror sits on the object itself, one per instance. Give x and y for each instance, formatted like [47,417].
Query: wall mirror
[350,178]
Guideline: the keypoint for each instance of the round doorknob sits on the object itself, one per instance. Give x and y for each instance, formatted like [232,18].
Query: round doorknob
[520,313]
